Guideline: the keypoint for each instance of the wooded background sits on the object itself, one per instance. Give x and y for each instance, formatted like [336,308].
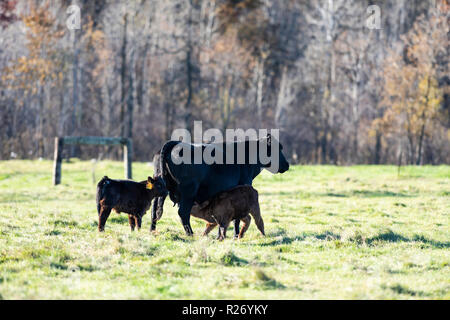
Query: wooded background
[339,92]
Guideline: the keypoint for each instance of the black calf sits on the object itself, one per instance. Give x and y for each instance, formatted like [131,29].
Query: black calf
[133,198]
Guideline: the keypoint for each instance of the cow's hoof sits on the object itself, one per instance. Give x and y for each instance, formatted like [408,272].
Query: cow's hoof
[188,230]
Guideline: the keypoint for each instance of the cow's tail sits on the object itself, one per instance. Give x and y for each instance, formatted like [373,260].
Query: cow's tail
[165,154]
[100,191]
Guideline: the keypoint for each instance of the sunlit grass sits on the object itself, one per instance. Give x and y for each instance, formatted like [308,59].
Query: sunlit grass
[332,233]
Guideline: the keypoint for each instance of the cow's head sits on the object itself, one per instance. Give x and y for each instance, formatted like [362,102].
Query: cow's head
[278,162]
[157,185]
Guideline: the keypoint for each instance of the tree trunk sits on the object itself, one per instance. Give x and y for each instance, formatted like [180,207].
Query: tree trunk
[189,71]
[130,105]
[259,90]
[187,106]
[411,148]
[283,100]
[377,157]
[123,76]
[323,145]
[75,93]
[422,129]
[41,150]
[419,156]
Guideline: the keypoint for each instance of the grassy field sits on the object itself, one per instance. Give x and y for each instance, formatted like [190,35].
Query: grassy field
[357,232]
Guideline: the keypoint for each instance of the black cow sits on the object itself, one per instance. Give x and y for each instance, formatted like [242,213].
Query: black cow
[196,183]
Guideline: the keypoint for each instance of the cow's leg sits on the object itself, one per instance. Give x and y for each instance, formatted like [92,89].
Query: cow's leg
[131,221]
[236,228]
[209,227]
[157,211]
[246,220]
[102,217]
[185,214]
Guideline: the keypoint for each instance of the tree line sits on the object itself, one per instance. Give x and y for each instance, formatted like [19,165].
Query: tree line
[339,90]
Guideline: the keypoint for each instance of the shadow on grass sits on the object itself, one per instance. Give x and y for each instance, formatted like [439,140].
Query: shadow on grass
[390,236]
[266,282]
[383,237]
[368,194]
[387,236]
[347,194]
[280,237]
[62,223]
[121,219]
[230,259]
[54,233]
[400,289]
[170,235]
[87,267]
[293,193]
[433,243]
[279,241]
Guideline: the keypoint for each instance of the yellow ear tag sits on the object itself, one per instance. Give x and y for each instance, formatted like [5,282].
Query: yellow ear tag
[149,185]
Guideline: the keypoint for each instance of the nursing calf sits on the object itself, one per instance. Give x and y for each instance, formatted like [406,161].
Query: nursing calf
[133,198]
[229,205]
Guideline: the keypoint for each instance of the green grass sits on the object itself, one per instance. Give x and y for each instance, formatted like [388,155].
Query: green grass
[357,232]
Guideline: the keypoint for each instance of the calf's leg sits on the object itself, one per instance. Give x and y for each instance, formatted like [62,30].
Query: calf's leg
[223,226]
[246,220]
[222,233]
[209,227]
[131,221]
[102,217]
[256,214]
[138,221]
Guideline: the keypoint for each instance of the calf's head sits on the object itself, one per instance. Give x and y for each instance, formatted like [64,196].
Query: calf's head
[157,185]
